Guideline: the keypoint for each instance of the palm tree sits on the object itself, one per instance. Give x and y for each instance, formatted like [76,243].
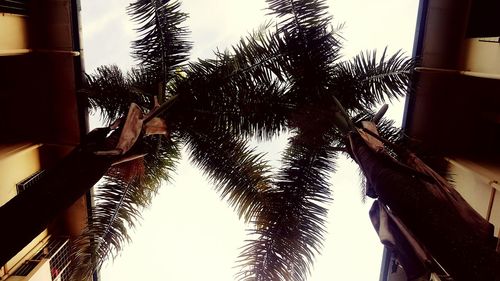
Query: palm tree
[451,231]
[303,59]
[324,99]
[162,49]
[291,78]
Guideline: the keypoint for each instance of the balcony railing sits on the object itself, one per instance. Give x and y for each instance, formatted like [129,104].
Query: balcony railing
[57,252]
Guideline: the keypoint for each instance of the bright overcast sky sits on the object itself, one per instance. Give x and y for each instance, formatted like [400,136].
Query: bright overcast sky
[189,234]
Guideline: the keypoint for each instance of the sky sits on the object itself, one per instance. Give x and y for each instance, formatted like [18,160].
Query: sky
[189,233]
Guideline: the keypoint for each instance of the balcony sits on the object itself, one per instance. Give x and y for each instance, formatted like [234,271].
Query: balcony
[50,263]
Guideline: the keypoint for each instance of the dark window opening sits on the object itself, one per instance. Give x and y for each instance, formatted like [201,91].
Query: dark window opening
[26,268]
[484,19]
[14,6]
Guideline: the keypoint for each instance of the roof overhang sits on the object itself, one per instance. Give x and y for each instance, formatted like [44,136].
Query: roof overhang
[449,110]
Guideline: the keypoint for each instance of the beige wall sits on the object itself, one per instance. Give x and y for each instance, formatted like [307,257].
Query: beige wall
[482,57]
[17,162]
[13,34]
[495,213]
[26,253]
[475,181]
[41,272]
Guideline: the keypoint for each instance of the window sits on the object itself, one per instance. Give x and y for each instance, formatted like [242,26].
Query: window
[29,181]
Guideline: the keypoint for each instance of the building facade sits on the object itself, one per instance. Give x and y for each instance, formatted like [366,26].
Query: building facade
[42,121]
[454,107]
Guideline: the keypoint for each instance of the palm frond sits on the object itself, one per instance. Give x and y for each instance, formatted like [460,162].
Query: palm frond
[300,14]
[163,42]
[366,80]
[120,198]
[108,230]
[306,28]
[261,51]
[241,92]
[312,59]
[253,90]
[144,81]
[111,91]
[385,126]
[290,229]
[240,174]
[310,44]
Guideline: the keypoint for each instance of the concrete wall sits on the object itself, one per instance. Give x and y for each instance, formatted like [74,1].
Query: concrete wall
[39,73]
[25,254]
[13,34]
[481,55]
[20,161]
[40,273]
[17,162]
[477,182]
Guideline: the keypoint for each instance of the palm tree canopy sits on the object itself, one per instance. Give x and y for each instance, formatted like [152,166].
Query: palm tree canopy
[288,78]
[290,229]
[239,172]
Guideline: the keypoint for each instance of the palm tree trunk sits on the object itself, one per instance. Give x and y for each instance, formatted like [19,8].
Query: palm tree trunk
[29,213]
[455,244]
